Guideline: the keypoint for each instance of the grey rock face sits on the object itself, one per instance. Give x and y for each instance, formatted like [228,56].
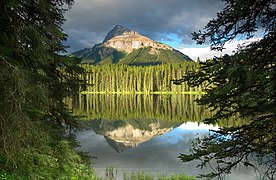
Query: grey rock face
[127,40]
[118,31]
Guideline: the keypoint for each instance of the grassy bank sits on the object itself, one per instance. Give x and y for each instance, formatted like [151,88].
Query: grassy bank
[111,173]
[149,176]
[142,92]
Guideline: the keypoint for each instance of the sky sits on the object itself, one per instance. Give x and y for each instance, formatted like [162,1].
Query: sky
[166,21]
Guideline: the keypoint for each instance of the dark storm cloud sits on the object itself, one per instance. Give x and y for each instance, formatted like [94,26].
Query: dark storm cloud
[89,20]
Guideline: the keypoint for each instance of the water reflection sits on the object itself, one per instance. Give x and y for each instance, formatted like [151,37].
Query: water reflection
[157,155]
[144,106]
[142,132]
[126,121]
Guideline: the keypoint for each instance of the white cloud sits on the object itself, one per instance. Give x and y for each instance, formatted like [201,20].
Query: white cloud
[205,53]
[196,126]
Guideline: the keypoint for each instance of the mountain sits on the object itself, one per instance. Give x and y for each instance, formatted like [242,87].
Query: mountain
[122,135]
[125,46]
[128,136]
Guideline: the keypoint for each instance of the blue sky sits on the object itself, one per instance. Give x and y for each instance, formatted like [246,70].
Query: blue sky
[174,41]
[166,21]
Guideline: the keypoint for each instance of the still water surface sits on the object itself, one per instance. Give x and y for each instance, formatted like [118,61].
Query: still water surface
[143,133]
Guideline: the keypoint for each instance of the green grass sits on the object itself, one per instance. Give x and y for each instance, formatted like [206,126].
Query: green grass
[136,92]
[149,176]
[111,173]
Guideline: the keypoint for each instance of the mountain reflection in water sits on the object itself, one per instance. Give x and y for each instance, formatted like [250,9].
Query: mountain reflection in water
[130,137]
[143,132]
[126,136]
[156,155]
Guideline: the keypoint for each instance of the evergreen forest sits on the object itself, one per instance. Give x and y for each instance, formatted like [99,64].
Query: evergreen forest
[138,79]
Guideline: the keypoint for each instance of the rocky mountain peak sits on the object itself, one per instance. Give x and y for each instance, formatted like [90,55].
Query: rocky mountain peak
[125,46]
[127,137]
[119,30]
[127,40]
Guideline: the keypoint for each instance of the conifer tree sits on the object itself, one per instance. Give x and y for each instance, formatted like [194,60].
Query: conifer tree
[241,86]
[36,129]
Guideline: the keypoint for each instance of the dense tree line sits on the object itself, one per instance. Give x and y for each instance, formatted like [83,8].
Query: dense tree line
[124,78]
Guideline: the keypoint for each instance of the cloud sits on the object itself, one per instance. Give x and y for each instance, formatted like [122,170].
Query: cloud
[205,53]
[88,21]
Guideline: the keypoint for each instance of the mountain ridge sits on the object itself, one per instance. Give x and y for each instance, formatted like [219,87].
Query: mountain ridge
[126,46]
[118,30]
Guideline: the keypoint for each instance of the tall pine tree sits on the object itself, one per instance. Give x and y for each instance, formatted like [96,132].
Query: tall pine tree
[36,129]
[242,86]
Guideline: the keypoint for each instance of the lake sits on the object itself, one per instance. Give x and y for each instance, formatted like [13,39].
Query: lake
[143,132]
